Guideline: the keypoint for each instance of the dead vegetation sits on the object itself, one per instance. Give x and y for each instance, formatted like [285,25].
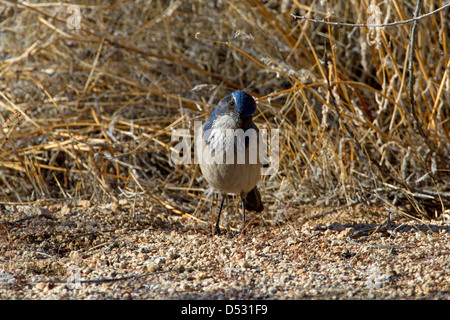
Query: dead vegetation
[89,113]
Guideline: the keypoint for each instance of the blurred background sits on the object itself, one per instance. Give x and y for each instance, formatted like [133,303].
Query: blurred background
[91,93]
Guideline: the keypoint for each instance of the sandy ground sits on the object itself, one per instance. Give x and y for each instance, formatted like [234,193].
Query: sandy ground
[125,251]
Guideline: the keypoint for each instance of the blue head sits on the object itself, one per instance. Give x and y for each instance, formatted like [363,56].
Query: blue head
[244,103]
[239,105]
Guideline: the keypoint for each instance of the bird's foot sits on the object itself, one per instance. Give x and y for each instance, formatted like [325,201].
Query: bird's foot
[216,231]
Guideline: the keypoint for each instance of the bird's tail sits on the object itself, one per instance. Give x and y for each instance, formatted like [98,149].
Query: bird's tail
[253,201]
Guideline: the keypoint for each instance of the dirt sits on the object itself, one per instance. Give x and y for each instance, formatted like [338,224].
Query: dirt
[127,250]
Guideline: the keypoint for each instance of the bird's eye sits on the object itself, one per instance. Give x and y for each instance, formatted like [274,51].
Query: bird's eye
[232,103]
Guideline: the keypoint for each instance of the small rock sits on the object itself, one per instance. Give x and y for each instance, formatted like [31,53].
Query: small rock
[86,270]
[84,203]
[272,290]
[201,275]
[173,255]
[179,267]
[65,210]
[142,256]
[120,232]
[126,296]
[74,255]
[113,206]
[185,287]
[345,233]
[40,286]
[153,267]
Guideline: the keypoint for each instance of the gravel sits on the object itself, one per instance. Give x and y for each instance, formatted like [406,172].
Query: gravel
[114,251]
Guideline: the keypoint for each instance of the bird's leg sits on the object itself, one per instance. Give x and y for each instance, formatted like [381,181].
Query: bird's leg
[243,216]
[216,227]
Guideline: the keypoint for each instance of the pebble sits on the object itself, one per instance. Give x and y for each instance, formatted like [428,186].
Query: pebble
[201,275]
[153,267]
[40,286]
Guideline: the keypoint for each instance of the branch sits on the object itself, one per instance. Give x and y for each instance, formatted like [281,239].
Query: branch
[411,66]
[362,25]
[411,80]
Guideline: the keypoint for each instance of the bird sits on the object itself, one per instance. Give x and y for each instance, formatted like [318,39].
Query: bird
[229,139]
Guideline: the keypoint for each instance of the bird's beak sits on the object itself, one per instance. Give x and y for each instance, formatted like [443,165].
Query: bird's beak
[244,122]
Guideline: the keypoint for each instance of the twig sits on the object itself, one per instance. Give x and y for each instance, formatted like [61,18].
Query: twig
[442,53]
[103,280]
[411,79]
[365,25]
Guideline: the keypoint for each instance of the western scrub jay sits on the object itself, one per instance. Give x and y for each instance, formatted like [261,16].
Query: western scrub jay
[230,147]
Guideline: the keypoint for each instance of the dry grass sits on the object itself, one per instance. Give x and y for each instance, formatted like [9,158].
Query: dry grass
[89,113]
